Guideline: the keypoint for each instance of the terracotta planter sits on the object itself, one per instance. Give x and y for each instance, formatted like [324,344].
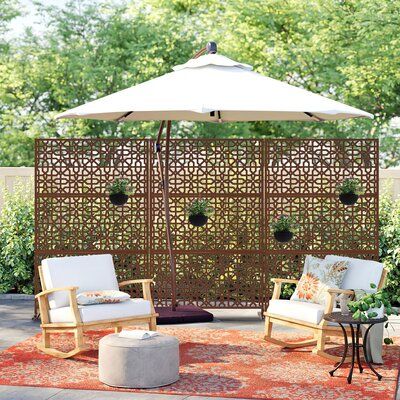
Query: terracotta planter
[118,199]
[348,198]
[283,236]
[198,220]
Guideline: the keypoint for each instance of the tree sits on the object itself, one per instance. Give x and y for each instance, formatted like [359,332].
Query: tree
[344,50]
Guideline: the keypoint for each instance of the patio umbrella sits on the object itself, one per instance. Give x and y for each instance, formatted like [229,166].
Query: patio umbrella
[212,88]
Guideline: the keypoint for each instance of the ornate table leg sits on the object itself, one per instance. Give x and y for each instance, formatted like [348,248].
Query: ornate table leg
[353,353]
[346,345]
[365,352]
[358,348]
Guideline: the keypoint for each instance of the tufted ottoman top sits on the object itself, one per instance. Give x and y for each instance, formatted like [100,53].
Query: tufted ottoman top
[156,341]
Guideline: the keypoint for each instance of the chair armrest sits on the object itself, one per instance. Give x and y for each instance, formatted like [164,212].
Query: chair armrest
[284,280]
[278,286]
[331,294]
[341,291]
[132,281]
[61,289]
[146,287]
[45,307]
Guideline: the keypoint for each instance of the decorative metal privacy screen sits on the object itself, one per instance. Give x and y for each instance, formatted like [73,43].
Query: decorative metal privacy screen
[228,262]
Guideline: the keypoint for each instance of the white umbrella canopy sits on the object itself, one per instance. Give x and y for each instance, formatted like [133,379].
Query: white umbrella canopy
[214,88]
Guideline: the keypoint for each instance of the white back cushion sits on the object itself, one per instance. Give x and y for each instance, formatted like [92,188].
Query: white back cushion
[360,274]
[94,272]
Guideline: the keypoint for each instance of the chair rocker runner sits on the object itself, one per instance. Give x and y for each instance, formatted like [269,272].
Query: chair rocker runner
[309,316]
[62,278]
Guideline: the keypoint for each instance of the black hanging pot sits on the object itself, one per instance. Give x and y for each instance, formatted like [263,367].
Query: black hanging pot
[119,199]
[198,219]
[283,236]
[348,198]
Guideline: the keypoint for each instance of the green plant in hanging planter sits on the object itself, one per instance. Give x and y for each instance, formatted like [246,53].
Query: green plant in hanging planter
[119,191]
[198,211]
[373,305]
[284,227]
[349,190]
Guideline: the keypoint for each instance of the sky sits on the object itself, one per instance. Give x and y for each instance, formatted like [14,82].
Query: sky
[29,19]
[19,24]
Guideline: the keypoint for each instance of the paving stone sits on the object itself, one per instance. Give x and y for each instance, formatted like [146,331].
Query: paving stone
[101,395]
[26,393]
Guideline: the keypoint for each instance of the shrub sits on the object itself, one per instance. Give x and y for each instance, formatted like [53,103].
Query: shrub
[389,244]
[17,241]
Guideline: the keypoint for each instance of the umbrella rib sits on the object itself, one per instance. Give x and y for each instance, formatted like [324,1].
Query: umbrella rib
[311,115]
[122,117]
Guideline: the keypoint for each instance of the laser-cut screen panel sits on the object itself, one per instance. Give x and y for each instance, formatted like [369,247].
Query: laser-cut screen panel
[229,262]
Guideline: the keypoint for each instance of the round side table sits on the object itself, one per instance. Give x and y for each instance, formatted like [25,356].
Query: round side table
[341,319]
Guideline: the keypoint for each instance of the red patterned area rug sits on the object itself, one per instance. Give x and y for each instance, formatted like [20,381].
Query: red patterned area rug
[218,363]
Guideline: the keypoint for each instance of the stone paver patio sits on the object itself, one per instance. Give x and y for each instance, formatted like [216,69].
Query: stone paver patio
[16,325]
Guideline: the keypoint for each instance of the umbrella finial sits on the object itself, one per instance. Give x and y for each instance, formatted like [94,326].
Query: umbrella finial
[211,48]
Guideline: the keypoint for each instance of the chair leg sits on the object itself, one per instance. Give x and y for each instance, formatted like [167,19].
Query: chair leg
[45,347]
[268,328]
[322,339]
[78,337]
[46,339]
[153,324]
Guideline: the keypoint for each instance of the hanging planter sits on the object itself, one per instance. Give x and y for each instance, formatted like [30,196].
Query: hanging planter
[284,228]
[199,211]
[119,190]
[198,220]
[349,191]
[283,236]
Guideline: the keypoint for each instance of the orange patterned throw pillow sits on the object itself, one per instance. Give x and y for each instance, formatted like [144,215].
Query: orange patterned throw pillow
[101,297]
[319,276]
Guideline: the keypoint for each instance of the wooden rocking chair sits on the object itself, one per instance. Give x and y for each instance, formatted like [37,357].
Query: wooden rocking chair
[62,278]
[309,316]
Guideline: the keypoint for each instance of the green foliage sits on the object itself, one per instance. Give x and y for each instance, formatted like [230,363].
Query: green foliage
[361,307]
[200,207]
[84,50]
[287,290]
[389,243]
[120,185]
[17,150]
[350,185]
[284,223]
[17,241]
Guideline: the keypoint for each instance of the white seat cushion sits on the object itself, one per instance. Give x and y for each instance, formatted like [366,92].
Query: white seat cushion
[300,310]
[98,312]
[360,273]
[94,272]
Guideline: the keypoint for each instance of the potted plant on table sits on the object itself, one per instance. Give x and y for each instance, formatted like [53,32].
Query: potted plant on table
[284,227]
[119,191]
[372,305]
[199,211]
[349,191]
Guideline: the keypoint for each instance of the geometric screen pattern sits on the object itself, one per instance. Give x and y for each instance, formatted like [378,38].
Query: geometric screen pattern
[229,262]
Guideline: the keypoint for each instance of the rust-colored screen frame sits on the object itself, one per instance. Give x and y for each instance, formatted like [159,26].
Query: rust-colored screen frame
[229,262]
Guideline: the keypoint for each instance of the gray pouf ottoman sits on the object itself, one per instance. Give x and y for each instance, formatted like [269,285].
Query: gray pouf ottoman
[133,363]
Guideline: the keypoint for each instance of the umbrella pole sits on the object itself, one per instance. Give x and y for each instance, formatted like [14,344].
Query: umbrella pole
[164,179]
